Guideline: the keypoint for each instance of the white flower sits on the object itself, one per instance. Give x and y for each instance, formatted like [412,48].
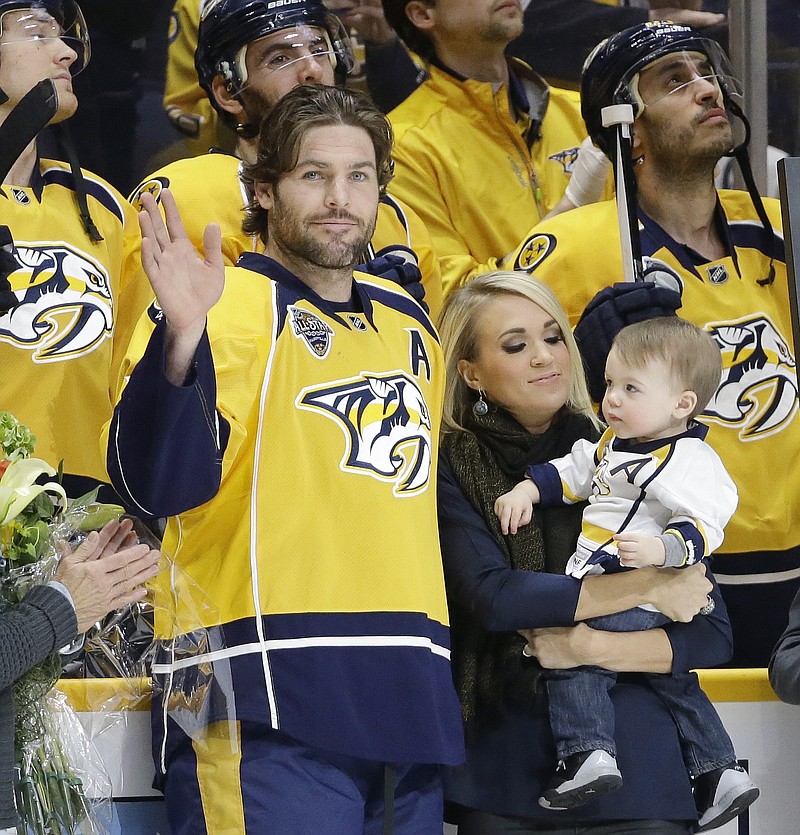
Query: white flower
[18,486]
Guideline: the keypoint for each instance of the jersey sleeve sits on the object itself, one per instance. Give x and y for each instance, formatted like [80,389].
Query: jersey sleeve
[568,479]
[165,442]
[701,497]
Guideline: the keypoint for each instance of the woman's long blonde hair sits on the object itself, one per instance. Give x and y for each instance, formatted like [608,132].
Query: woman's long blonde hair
[458,331]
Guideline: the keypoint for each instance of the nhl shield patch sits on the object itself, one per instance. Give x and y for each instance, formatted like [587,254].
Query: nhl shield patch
[717,273]
[307,326]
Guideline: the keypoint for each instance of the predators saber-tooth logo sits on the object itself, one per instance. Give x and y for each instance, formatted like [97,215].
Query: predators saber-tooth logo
[386,423]
[65,308]
[758,391]
[566,158]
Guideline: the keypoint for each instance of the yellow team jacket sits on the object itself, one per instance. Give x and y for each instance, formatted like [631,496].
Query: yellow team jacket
[478,177]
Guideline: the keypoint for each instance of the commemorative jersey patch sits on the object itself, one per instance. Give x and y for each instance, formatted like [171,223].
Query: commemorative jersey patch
[307,326]
[534,251]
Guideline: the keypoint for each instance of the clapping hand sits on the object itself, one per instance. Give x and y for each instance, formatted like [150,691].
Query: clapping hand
[106,572]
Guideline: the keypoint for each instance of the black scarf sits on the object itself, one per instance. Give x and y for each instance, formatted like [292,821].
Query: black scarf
[489,460]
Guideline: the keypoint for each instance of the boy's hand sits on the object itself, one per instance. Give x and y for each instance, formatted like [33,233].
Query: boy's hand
[637,550]
[515,508]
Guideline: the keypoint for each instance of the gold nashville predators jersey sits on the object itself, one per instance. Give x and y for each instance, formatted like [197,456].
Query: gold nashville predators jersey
[208,188]
[317,561]
[57,345]
[752,419]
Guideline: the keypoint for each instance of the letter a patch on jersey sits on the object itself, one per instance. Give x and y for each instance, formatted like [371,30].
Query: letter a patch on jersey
[386,423]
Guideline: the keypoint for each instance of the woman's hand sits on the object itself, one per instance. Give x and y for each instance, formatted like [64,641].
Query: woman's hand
[565,647]
[680,593]
[561,647]
[106,572]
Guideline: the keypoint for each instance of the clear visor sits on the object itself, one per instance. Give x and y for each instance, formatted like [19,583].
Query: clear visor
[686,73]
[36,24]
[287,48]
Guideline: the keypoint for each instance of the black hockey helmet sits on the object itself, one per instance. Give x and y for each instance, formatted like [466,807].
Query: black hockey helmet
[38,23]
[611,70]
[228,26]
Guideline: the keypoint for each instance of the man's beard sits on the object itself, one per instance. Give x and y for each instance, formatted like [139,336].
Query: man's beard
[291,234]
[677,145]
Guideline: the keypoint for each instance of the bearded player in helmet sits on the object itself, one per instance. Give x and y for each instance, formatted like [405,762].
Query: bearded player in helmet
[717,256]
[250,53]
[60,318]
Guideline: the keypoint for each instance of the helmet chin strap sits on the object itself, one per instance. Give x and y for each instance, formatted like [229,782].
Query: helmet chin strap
[65,141]
[739,153]
[31,114]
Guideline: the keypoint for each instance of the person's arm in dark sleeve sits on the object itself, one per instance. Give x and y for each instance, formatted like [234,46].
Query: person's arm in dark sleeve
[705,641]
[166,441]
[558,35]
[784,666]
[392,76]
[40,624]
[480,579]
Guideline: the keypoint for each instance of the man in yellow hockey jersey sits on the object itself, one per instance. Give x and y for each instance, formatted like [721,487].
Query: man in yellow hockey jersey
[70,296]
[285,413]
[723,252]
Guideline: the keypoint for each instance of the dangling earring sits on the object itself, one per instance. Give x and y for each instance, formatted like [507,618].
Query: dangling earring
[480,408]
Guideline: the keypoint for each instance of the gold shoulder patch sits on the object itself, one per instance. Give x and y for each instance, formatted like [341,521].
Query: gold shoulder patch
[534,251]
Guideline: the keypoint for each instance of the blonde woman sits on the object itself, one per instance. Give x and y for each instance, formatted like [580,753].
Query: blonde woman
[516,395]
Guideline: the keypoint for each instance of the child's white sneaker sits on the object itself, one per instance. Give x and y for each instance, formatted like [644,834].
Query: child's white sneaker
[722,794]
[580,778]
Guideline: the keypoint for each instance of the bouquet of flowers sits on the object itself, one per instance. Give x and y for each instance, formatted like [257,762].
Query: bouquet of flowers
[51,751]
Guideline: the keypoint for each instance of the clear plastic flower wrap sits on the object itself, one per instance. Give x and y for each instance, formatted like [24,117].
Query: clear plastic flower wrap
[59,781]
[122,666]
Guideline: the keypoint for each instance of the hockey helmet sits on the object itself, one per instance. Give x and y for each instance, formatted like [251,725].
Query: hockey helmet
[611,72]
[36,19]
[228,26]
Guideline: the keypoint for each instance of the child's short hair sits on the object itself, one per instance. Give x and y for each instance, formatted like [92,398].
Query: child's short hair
[691,354]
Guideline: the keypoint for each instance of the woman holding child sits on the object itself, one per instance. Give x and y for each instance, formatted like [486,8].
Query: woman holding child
[516,396]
